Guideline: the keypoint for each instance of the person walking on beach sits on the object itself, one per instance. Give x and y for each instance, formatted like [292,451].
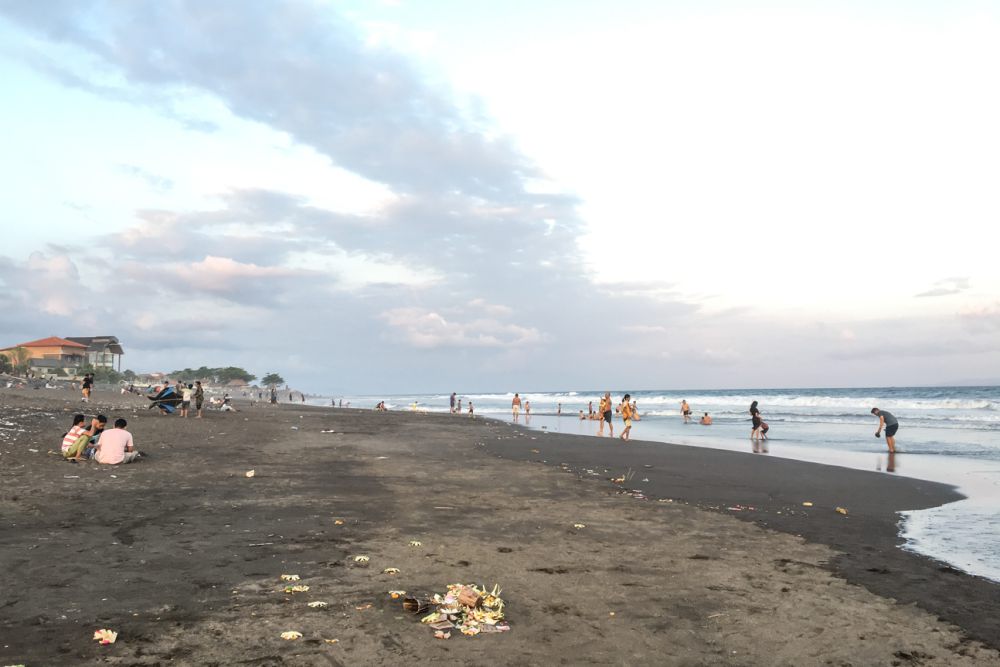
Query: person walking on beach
[85,388]
[452,402]
[471,409]
[627,414]
[889,423]
[755,419]
[515,406]
[686,410]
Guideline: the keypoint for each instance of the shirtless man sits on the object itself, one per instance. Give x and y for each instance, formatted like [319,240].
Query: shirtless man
[706,420]
[686,411]
[605,415]
[515,406]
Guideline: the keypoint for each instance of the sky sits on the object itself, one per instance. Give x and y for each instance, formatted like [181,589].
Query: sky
[401,196]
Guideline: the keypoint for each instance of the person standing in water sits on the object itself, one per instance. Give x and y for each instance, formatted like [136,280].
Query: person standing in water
[890,424]
[605,415]
[755,418]
[627,413]
[515,406]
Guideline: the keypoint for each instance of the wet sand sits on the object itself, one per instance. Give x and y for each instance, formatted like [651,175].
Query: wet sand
[192,550]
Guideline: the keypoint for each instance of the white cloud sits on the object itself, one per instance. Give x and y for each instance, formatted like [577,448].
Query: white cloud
[428,329]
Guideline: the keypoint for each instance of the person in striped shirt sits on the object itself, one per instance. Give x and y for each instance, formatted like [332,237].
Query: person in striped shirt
[75,442]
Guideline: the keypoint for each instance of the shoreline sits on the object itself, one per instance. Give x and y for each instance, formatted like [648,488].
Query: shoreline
[961,547]
[867,538]
[199,548]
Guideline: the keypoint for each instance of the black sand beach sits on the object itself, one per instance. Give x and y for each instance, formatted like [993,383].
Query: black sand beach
[182,554]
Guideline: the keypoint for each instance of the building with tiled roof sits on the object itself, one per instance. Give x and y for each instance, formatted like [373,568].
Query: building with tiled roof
[52,356]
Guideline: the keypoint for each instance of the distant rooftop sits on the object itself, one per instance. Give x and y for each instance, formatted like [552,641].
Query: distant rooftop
[51,341]
[109,343]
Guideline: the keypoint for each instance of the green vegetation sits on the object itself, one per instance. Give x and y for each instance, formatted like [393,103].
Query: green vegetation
[19,358]
[5,366]
[129,375]
[102,375]
[213,375]
[272,380]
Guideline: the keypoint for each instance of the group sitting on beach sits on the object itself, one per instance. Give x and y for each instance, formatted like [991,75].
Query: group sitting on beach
[95,441]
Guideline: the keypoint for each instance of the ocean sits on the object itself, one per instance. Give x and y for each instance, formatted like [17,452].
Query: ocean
[946,434]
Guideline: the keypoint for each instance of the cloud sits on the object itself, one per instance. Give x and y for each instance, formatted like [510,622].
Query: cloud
[467,272]
[300,68]
[158,183]
[427,329]
[947,287]
[982,319]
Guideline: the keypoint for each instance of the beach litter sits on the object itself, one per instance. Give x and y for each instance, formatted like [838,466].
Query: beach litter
[290,577]
[361,559]
[470,609]
[807,504]
[579,525]
[291,634]
[391,570]
[395,595]
[319,604]
[416,543]
[251,473]
[332,641]
[338,522]
[105,636]
[297,588]
[842,510]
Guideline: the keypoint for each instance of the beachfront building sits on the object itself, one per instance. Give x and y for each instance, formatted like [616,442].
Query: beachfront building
[102,351]
[52,356]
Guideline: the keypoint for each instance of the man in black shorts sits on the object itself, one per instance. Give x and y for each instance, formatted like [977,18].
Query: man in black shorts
[888,422]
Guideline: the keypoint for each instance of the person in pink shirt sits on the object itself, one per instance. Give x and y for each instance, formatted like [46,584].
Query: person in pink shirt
[115,446]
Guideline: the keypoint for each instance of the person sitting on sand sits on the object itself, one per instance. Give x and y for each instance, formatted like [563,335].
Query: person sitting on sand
[75,442]
[706,420]
[116,446]
[227,404]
